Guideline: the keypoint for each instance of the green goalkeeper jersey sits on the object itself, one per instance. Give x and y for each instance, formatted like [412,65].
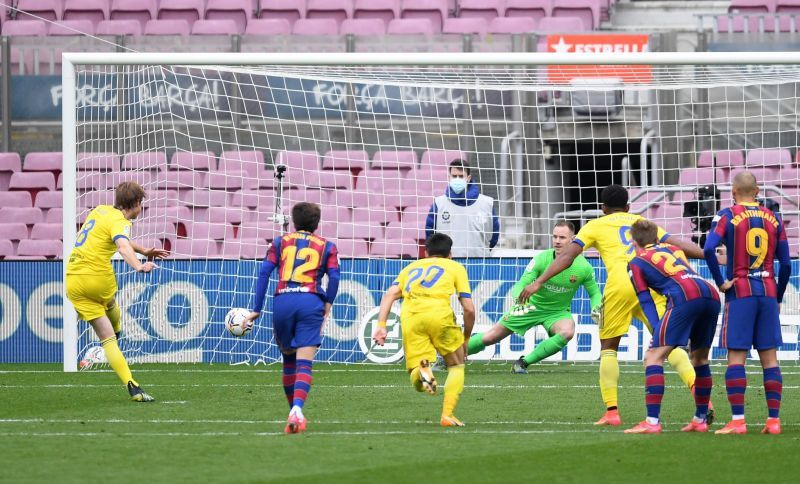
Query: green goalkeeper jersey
[557,293]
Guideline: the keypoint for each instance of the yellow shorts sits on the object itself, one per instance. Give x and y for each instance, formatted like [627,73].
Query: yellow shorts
[426,333]
[620,306]
[91,295]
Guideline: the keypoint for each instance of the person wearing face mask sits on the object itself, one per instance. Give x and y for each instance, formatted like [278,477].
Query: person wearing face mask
[464,214]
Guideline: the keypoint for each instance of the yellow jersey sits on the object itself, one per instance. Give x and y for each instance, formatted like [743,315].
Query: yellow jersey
[427,284]
[611,236]
[95,243]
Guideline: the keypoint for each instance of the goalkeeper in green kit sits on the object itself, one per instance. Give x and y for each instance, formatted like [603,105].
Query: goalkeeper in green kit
[550,307]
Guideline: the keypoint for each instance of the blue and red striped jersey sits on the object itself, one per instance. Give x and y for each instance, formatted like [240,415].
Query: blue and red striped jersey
[664,269]
[302,259]
[751,234]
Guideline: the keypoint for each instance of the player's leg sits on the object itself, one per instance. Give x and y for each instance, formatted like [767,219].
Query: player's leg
[115,316]
[448,340]
[289,361]
[479,341]
[561,329]
[654,388]
[105,332]
[419,353]
[283,329]
[766,340]
[701,338]
[678,358]
[308,319]
[738,324]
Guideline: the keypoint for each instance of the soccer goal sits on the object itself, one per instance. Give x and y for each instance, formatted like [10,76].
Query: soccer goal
[226,144]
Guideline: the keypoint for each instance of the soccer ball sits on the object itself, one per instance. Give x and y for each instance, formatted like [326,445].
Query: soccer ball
[234,322]
[94,354]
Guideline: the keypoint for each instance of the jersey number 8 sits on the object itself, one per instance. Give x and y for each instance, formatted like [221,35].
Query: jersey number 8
[84,233]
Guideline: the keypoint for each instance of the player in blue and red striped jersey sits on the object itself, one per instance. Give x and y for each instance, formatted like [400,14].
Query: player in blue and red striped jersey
[692,310]
[301,304]
[753,236]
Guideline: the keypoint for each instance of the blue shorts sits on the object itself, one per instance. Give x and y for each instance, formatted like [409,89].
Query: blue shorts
[297,320]
[751,322]
[694,320]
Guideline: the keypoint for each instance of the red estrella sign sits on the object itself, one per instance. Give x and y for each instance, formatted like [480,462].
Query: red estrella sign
[598,44]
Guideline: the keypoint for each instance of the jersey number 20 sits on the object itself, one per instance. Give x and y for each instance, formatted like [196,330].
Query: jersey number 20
[429,279]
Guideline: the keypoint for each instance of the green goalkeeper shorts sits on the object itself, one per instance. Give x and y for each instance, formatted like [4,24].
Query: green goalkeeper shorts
[521,324]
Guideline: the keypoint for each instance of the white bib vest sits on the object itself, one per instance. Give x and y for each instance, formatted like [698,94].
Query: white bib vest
[469,226]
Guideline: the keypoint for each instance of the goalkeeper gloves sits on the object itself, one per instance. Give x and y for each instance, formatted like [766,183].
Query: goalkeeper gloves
[597,314]
[521,309]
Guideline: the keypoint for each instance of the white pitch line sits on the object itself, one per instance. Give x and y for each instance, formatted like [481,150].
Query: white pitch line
[308,434]
[346,387]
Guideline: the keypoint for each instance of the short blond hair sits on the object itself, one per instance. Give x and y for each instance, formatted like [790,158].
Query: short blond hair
[128,194]
[644,232]
[745,183]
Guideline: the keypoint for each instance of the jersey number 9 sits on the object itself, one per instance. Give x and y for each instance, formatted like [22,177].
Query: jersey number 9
[757,246]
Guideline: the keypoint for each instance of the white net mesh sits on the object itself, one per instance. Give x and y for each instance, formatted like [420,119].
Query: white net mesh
[372,146]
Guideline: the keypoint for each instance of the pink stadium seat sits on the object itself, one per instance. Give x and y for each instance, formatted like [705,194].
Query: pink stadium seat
[291,10]
[700,176]
[181,180]
[251,231]
[512,25]
[268,26]
[338,10]
[561,25]
[352,248]
[16,199]
[764,175]
[534,9]
[729,158]
[9,163]
[55,215]
[470,25]
[441,158]
[315,26]
[392,249]
[14,231]
[167,27]
[41,248]
[43,161]
[433,10]
[705,159]
[155,229]
[194,160]
[363,26]
[299,160]
[381,181]
[32,181]
[329,180]
[194,249]
[250,162]
[345,160]
[98,197]
[44,9]
[261,199]
[98,162]
[138,10]
[163,197]
[768,157]
[224,215]
[119,27]
[92,10]
[407,26]
[405,231]
[788,6]
[231,180]
[336,214]
[215,27]
[28,216]
[429,181]
[6,249]
[416,215]
[752,6]
[238,11]
[374,216]
[353,198]
[587,10]
[244,249]
[175,214]
[67,28]
[146,160]
[152,242]
[208,231]
[386,10]
[349,230]
[45,200]
[24,28]
[46,231]
[205,198]
[398,160]
[484,9]
[187,10]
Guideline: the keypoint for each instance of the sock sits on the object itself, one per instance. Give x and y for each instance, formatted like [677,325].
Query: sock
[548,347]
[416,381]
[289,361]
[114,315]
[679,360]
[654,391]
[736,384]
[702,391]
[117,361]
[609,377]
[302,382]
[453,388]
[773,387]
[475,344]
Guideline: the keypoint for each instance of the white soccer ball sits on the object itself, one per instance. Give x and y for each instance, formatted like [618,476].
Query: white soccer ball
[234,322]
[94,354]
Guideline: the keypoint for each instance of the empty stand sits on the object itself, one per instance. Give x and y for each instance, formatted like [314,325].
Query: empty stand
[406,26]
[471,25]
[435,11]
[483,9]
[512,25]
[385,10]
[237,11]
[73,27]
[44,9]
[268,26]
[167,27]
[92,10]
[215,27]
[363,26]
[586,10]
[316,26]
[338,10]
[139,10]
[290,10]
[534,9]
[188,10]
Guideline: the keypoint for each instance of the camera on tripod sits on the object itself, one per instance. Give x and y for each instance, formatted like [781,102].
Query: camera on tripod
[701,212]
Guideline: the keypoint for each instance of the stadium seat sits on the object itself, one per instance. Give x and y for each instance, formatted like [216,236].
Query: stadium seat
[405,231]
[409,26]
[428,181]
[244,249]
[40,9]
[363,26]
[43,161]
[167,27]
[97,197]
[66,28]
[46,200]
[389,181]
[25,215]
[154,229]
[338,10]
[299,160]
[250,163]
[32,181]
[208,231]
[768,157]
[416,215]
[215,27]
[40,248]
[238,11]
[181,180]
[752,6]
[336,214]
[138,10]
[259,199]
[16,199]
[161,196]
[330,180]
[9,163]
[92,10]
[764,175]
[291,10]
[175,214]
[232,180]
[587,10]
[372,216]
[351,230]
[316,26]
[728,158]
[789,176]
[388,159]
[534,9]
[484,9]
[194,248]
[251,231]
[6,249]
[55,215]
[701,176]
[512,25]
[561,25]
[705,159]
[352,248]
[193,160]
[188,10]
[470,25]
[788,6]
[433,10]
[97,162]
[145,161]
[345,160]
[386,10]
[226,215]
[14,231]
[268,26]
[46,231]
[205,198]
[392,249]
[354,198]
[24,28]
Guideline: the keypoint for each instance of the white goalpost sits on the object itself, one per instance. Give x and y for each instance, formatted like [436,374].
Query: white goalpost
[225,145]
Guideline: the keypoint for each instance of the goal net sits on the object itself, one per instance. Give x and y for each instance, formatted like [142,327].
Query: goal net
[226,145]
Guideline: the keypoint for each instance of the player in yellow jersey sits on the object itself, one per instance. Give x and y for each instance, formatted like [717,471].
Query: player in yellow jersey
[428,323]
[610,235]
[90,282]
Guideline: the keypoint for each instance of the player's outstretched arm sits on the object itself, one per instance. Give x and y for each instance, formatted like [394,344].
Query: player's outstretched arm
[267,266]
[126,251]
[692,250]
[392,295]
[469,316]
[151,252]
[562,262]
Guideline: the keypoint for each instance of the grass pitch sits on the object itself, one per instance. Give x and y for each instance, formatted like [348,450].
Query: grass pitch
[219,423]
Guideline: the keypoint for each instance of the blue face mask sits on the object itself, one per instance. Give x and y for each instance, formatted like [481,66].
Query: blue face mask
[458,185]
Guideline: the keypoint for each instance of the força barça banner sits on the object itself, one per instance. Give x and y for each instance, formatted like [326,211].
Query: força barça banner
[176,313]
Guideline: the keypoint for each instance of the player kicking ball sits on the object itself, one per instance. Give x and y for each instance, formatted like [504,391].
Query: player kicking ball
[301,305]
[549,308]
[91,285]
[692,310]
[428,322]
[753,236]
